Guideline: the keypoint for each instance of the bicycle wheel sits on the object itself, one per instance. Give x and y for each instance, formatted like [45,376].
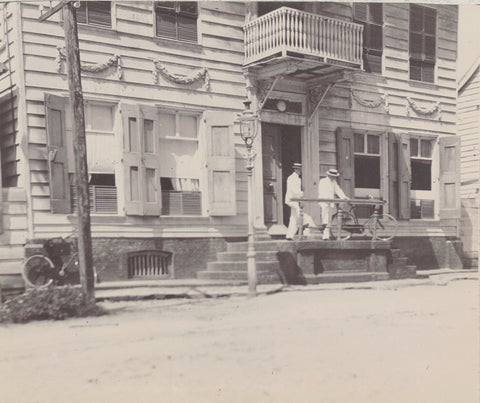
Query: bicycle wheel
[347,220]
[37,271]
[385,227]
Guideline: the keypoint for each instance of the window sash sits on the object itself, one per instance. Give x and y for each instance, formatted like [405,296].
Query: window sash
[423,43]
[176,20]
[95,13]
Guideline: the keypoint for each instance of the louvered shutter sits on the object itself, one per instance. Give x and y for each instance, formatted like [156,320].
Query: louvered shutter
[393,188]
[345,160]
[55,109]
[221,163]
[449,150]
[141,160]
[404,176]
[360,11]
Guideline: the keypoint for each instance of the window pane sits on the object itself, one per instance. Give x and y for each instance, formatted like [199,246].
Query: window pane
[421,174]
[414,147]
[375,37]
[416,18]
[99,117]
[373,144]
[430,21]
[426,148]
[428,72]
[167,124]
[99,13]
[360,11]
[358,146]
[367,172]
[148,136]
[134,184]
[188,126]
[415,70]
[150,184]
[189,7]
[132,135]
[376,12]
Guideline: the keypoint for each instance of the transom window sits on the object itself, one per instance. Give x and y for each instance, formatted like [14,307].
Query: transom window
[370,15]
[367,160]
[421,163]
[95,13]
[176,20]
[423,26]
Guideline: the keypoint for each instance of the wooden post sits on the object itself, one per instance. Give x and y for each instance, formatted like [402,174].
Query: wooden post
[80,150]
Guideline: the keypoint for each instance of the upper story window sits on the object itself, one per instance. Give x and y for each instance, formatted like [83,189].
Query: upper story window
[370,15]
[95,13]
[176,20]
[367,160]
[423,27]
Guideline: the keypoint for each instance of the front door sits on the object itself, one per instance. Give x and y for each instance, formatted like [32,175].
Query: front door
[272,174]
[281,147]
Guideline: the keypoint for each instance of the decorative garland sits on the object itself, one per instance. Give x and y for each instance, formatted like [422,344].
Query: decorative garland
[92,68]
[371,104]
[202,74]
[422,110]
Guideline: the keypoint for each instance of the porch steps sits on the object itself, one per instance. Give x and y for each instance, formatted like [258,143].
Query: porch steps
[232,264]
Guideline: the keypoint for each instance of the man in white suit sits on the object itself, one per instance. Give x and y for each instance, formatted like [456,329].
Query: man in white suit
[328,188]
[294,190]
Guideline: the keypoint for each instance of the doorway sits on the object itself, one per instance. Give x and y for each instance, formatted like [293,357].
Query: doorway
[281,147]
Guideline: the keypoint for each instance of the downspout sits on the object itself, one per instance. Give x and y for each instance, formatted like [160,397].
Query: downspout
[21,111]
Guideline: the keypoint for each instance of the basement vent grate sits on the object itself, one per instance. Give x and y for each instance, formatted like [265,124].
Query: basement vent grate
[149,264]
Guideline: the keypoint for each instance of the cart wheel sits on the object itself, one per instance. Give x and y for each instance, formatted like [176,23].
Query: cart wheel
[347,220]
[37,271]
[385,228]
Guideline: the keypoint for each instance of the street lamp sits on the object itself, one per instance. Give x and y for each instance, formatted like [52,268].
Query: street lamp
[248,122]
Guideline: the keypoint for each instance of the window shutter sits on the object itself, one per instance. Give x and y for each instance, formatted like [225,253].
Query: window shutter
[404,177]
[221,163]
[393,189]
[345,160]
[55,109]
[449,149]
[141,160]
[360,11]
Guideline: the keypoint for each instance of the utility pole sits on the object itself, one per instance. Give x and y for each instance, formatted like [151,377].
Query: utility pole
[79,142]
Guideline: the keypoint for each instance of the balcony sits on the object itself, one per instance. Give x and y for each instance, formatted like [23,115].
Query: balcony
[323,43]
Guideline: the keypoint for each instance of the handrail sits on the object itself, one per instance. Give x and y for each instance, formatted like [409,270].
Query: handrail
[290,30]
[300,201]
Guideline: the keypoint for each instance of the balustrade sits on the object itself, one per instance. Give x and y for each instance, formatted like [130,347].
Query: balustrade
[289,30]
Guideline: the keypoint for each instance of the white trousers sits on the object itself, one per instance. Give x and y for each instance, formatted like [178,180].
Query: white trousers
[294,217]
[327,213]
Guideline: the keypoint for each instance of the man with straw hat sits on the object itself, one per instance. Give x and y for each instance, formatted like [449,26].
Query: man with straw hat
[328,188]
[294,190]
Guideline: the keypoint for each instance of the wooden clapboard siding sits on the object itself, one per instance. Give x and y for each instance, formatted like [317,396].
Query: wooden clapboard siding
[469,130]
[219,49]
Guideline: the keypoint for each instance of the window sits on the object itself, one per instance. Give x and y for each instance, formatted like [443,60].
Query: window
[367,160]
[180,165]
[101,157]
[95,13]
[176,20]
[370,15]
[423,23]
[421,163]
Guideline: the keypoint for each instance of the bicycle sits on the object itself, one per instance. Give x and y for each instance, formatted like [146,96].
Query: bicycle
[59,266]
[380,226]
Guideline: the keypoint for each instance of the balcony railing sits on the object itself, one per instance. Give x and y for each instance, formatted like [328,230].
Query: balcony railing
[289,30]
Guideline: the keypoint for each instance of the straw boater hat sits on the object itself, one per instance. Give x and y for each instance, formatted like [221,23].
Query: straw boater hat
[297,165]
[333,172]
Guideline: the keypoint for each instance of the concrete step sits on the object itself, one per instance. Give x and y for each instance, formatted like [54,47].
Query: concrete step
[263,277]
[346,277]
[242,256]
[271,266]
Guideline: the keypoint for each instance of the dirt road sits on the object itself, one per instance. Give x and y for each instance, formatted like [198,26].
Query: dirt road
[412,344]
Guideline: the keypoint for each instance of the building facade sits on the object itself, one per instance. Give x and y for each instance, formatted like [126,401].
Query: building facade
[469,131]
[367,88]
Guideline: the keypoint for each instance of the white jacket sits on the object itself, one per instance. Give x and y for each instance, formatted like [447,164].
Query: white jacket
[294,189]
[327,189]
